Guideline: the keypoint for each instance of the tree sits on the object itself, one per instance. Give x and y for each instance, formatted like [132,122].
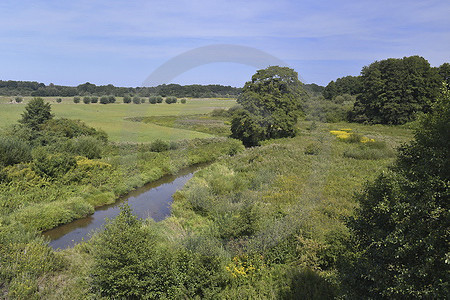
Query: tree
[76,99]
[87,100]
[36,113]
[400,230]
[104,100]
[126,99]
[346,85]
[136,100]
[395,90]
[272,102]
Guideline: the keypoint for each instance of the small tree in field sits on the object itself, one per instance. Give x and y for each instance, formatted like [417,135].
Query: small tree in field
[87,100]
[94,99]
[112,99]
[18,99]
[126,99]
[36,113]
[136,100]
[272,102]
[183,101]
[59,100]
[104,100]
[76,99]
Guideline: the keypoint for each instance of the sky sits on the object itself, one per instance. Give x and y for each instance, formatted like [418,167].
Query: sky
[123,42]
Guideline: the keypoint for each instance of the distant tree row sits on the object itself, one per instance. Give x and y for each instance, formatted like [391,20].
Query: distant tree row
[126,99]
[28,88]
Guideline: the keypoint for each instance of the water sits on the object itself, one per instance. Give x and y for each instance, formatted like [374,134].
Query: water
[152,200]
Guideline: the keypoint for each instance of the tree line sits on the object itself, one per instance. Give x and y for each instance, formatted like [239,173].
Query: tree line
[35,89]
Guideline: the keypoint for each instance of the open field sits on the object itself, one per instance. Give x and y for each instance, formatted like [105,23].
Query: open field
[111,117]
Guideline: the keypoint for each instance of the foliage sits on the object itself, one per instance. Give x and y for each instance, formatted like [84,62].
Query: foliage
[183,101]
[18,99]
[58,100]
[346,85]
[329,111]
[126,99]
[272,101]
[395,90]
[400,230]
[94,99]
[159,146]
[36,113]
[13,151]
[171,99]
[76,99]
[52,165]
[111,99]
[136,100]
[104,100]
[87,146]
[72,128]
[86,100]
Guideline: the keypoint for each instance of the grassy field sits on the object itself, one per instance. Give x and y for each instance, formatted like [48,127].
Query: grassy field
[112,117]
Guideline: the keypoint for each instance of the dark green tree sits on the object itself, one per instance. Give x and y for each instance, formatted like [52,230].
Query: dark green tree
[444,71]
[395,90]
[401,229]
[273,101]
[346,85]
[126,99]
[36,113]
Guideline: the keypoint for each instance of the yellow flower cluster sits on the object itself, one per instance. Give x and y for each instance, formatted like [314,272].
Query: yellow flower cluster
[341,134]
[365,139]
[89,164]
[240,267]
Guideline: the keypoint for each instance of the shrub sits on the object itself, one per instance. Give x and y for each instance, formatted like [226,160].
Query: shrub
[112,99]
[126,99]
[153,99]
[72,128]
[87,100]
[18,99]
[171,99]
[94,99]
[104,100]
[183,101]
[159,99]
[87,146]
[159,146]
[13,151]
[136,100]
[312,149]
[76,99]
[59,100]
[52,165]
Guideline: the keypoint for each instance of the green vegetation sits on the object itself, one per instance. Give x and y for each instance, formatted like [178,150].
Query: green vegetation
[395,90]
[350,85]
[271,104]
[36,113]
[400,230]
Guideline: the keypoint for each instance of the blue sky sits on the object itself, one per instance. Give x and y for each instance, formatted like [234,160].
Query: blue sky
[122,42]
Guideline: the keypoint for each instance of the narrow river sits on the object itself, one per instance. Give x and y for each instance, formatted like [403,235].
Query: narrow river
[152,200]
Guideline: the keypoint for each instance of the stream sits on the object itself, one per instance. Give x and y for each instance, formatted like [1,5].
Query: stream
[152,200]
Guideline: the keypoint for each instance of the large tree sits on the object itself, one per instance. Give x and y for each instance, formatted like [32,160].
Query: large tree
[401,230]
[272,101]
[345,85]
[395,90]
[36,113]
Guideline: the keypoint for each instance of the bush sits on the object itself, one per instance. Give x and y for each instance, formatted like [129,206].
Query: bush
[104,100]
[72,128]
[171,99]
[153,99]
[112,99]
[13,151]
[183,101]
[52,165]
[87,100]
[136,100]
[76,99]
[159,99]
[18,99]
[59,100]
[126,99]
[312,149]
[87,146]
[159,146]
[94,99]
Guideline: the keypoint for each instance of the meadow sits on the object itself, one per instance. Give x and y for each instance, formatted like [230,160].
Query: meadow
[113,118]
[262,223]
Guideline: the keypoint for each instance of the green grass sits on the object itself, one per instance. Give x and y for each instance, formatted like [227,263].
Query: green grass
[112,118]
